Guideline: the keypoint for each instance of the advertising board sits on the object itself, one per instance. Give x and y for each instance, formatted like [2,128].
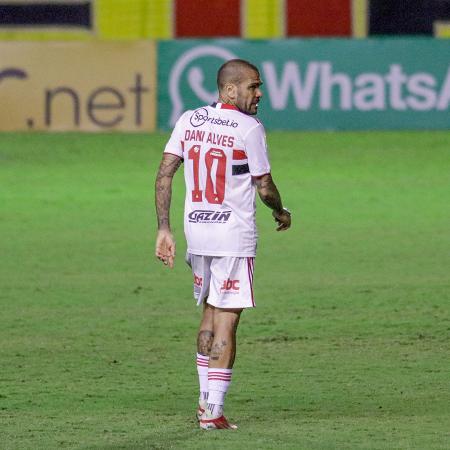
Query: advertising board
[77,86]
[317,84]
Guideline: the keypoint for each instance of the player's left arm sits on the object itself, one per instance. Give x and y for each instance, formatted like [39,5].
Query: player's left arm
[270,196]
[259,165]
[165,242]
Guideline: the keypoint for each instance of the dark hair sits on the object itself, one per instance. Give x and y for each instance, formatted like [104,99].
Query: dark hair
[232,72]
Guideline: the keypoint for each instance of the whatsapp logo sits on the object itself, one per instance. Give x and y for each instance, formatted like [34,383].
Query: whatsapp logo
[188,65]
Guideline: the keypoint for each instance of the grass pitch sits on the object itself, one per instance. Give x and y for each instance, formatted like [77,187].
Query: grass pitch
[348,347]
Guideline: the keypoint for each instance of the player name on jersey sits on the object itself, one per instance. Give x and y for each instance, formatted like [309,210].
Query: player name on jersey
[211,138]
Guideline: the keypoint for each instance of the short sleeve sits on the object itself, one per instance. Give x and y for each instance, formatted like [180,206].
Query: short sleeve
[256,150]
[174,144]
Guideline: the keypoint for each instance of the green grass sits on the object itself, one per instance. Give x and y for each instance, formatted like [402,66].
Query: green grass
[347,349]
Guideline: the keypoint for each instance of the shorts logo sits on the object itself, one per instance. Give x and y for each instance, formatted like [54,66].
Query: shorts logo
[198,281]
[230,286]
[200,116]
[202,216]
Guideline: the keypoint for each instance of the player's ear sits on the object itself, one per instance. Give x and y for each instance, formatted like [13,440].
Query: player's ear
[231,91]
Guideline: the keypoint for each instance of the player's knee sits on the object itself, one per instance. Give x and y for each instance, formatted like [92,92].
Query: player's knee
[226,319]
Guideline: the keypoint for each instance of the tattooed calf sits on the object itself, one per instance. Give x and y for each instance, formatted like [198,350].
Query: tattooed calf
[204,342]
[217,349]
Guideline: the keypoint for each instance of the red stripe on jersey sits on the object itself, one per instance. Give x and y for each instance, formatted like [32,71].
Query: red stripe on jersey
[218,379]
[239,154]
[227,106]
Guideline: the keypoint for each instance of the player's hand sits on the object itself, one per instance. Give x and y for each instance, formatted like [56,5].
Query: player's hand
[165,247]
[283,219]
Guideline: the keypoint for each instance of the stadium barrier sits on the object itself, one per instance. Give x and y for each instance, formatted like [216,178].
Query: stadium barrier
[78,86]
[317,84]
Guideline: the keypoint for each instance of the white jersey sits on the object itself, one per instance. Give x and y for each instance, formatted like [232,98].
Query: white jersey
[222,149]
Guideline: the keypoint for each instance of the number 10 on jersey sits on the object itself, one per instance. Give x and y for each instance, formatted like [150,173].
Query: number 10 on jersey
[214,191]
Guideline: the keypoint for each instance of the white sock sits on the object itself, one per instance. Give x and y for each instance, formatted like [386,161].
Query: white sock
[202,370]
[218,383]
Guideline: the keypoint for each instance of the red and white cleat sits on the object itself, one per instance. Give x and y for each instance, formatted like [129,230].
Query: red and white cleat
[219,423]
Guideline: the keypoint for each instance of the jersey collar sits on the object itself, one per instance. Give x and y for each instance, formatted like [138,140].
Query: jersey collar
[218,105]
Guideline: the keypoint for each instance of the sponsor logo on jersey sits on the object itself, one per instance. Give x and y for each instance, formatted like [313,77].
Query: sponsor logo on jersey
[202,216]
[230,286]
[201,116]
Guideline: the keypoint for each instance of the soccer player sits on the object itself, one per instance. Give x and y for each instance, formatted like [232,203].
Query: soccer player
[223,147]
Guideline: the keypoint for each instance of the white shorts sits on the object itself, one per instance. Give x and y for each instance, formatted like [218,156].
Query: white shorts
[227,281]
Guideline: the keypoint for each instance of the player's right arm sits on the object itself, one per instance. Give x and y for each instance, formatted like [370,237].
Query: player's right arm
[270,196]
[165,243]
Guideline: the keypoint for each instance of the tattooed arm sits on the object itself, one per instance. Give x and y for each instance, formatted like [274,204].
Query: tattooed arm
[270,196]
[165,243]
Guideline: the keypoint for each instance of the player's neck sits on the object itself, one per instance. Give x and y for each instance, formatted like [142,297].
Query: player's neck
[226,101]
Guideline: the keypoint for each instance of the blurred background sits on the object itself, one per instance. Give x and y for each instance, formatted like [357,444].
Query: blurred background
[134,65]
[252,19]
